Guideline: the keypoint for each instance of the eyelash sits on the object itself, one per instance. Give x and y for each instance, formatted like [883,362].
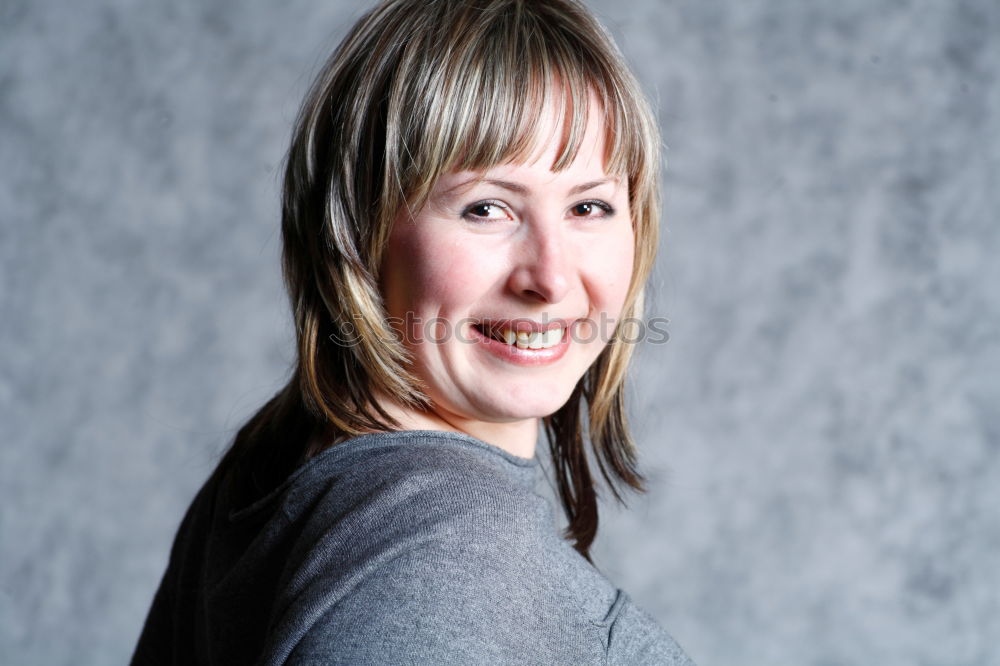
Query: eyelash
[607,209]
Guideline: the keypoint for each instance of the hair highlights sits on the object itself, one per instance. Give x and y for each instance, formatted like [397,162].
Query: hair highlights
[416,89]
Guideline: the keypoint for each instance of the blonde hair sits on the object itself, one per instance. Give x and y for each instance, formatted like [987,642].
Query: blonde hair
[419,88]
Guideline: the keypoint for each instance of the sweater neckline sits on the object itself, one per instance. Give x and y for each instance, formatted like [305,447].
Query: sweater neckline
[520,468]
[375,439]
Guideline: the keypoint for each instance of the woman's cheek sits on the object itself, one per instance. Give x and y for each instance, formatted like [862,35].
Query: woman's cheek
[611,263]
[448,287]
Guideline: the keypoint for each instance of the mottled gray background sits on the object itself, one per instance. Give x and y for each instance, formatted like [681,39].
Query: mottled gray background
[821,431]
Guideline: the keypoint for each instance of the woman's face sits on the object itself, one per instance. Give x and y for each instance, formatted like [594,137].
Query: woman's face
[508,283]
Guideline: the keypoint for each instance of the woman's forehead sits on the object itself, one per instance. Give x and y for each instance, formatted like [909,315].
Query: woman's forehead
[560,137]
[524,179]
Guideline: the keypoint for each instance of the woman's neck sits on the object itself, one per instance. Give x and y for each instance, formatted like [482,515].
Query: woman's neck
[518,438]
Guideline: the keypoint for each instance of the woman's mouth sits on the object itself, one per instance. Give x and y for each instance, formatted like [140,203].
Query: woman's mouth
[524,339]
[523,343]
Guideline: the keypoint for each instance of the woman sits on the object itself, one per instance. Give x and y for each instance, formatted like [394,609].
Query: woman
[469,214]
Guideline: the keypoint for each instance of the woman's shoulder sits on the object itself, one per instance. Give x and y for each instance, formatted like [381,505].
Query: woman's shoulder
[418,494]
[432,548]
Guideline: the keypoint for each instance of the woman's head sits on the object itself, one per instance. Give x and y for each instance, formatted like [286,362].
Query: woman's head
[517,249]
[423,93]
[420,89]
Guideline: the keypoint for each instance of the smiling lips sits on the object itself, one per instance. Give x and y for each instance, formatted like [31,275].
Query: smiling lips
[525,334]
[532,340]
[524,342]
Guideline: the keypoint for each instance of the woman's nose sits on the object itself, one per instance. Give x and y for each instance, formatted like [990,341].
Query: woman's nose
[543,264]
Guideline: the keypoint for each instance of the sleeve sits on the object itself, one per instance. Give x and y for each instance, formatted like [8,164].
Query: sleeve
[636,638]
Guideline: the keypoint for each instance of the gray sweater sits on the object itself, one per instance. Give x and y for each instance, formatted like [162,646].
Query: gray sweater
[406,547]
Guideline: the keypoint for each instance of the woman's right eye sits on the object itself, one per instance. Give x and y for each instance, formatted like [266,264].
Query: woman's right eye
[485,210]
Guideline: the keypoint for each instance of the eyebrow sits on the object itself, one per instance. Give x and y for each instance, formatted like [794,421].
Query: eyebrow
[521,189]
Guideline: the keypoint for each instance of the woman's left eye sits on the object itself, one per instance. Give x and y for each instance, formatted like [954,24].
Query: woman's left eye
[592,209]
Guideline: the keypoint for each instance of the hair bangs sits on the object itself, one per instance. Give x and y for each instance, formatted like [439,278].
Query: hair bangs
[470,101]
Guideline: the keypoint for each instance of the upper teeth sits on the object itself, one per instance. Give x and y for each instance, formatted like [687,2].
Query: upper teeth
[534,339]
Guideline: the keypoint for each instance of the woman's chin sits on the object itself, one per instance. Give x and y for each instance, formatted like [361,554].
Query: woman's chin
[508,410]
